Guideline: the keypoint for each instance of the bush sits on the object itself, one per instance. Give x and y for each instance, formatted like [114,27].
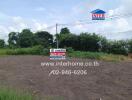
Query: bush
[69,49]
[45,52]
[117,47]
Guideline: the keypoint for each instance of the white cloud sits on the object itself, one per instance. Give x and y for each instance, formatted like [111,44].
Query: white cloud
[110,28]
[3,16]
[12,29]
[40,26]
[19,23]
[17,19]
[107,28]
[110,12]
[119,27]
[3,29]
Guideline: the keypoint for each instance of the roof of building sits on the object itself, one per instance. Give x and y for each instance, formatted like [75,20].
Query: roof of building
[98,11]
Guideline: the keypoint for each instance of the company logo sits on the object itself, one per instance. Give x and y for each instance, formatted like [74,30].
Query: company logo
[98,14]
[57,54]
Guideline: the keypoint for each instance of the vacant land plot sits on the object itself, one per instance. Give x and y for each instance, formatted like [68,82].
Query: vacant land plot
[109,81]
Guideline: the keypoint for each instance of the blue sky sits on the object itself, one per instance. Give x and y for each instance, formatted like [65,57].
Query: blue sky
[39,14]
[43,9]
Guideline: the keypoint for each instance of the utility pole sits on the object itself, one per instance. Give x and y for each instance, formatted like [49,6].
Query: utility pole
[57,38]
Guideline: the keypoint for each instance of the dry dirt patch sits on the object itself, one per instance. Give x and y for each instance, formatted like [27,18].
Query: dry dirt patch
[109,81]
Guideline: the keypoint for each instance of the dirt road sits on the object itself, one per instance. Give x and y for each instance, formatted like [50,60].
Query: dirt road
[109,81]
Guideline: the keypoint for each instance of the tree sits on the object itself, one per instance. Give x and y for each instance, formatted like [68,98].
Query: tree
[25,38]
[2,43]
[130,45]
[69,40]
[12,40]
[60,38]
[118,47]
[103,44]
[88,42]
[43,38]
[82,42]
[65,31]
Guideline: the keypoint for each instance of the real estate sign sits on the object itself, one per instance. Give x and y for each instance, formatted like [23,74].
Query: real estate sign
[57,54]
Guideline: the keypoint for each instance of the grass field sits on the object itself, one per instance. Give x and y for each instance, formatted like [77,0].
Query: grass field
[76,54]
[37,50]
[99,56]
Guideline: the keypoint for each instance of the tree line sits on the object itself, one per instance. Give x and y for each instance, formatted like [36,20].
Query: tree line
[82,42]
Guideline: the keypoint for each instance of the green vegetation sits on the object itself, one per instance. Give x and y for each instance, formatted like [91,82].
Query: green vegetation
[2,43]
[36,50]
[39,50]
[85,45]
[9,94]
[82,42]
[26,39]
[91,55]
[97,55]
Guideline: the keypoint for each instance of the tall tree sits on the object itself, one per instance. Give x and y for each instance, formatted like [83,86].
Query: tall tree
[12,39]
[43,38]
[25,38]
[69,40]
[89,42]
[2,43]
[65,31]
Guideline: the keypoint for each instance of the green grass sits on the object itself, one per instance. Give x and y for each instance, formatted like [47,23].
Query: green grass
[98,56]
[38,50]
[10,94]
[3,51]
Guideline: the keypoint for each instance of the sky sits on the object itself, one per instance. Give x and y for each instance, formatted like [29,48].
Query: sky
[38,15]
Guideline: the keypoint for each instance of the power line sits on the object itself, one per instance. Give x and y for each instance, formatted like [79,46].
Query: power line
[86,21]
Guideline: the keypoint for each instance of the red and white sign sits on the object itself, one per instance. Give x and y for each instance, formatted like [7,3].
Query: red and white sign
[57,54]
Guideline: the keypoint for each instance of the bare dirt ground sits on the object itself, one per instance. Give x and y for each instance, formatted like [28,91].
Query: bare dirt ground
[109,81]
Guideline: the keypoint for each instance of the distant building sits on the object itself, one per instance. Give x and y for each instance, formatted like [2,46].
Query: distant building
[98,14]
